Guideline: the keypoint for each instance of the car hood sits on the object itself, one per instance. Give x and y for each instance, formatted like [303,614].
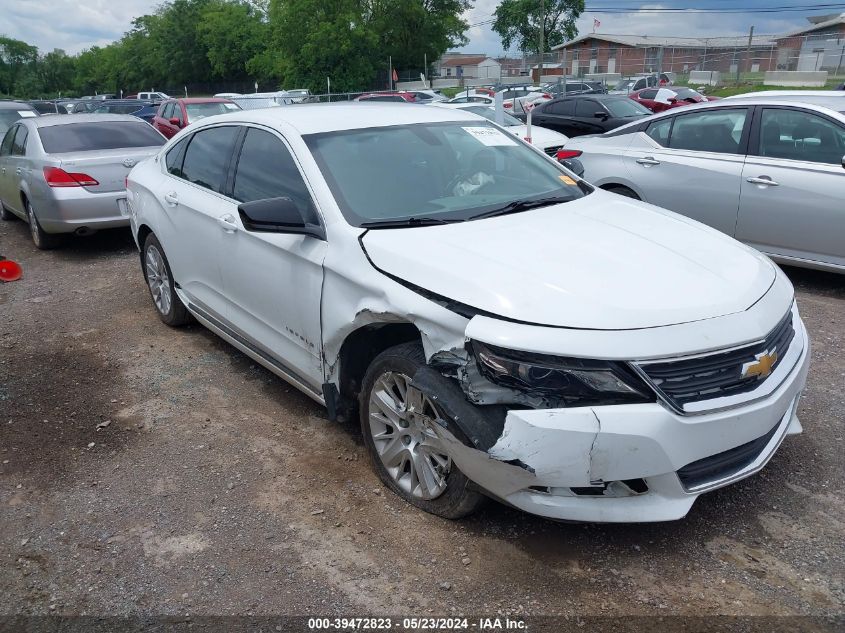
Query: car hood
[540,137]
[600,262]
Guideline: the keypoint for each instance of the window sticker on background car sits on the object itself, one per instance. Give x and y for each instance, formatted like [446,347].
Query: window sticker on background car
[231,106]
[26,113]
[489,136]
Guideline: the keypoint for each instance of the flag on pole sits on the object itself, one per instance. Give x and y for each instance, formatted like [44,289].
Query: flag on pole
[395,75]
[596,24]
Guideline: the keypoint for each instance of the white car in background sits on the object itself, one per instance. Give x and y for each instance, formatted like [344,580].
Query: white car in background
[833,99]
[497,326]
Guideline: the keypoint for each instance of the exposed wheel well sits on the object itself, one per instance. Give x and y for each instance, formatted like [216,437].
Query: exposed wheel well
[358,351]
[143,232]
[24,200]
[621,190]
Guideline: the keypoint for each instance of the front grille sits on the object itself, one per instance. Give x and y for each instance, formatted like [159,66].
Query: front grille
[721,465]
[717,375]
[552,151]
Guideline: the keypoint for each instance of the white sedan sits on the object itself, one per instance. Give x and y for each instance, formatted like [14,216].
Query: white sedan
[498,327]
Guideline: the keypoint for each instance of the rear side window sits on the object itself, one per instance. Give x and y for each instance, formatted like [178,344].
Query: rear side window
[800,135]
[173,159]
[266,169]
[84,137]
[648,94]
[659,131]
[717,131]
[8,138]
[19,144]
[566,107]
[207,157]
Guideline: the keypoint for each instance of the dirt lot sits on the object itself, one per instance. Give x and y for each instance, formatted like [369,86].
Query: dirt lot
[157,471]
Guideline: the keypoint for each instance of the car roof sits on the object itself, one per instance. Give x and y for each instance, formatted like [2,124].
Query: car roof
[187,100]
[789,93]
[69,119]
[594,97]
[15,105]
[313,118]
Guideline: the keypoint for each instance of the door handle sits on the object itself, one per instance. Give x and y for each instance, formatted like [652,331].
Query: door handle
[648,160]
[171,198]
[227,223]
[762,180]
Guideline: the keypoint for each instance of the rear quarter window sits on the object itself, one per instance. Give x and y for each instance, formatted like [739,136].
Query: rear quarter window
[84,137]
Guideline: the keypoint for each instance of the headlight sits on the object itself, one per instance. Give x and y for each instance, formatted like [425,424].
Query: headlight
[576,381]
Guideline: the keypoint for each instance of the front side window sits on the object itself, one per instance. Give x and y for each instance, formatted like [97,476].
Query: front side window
[626,108]
[440,171]
[8,139]
[19,144]
[713,131]
[207,157]
[266,169]
[800,135]
[587,108]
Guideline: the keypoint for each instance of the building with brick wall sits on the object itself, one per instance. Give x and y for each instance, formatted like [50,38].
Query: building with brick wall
[820,46]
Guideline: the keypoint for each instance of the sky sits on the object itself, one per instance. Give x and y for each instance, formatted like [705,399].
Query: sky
[74,25]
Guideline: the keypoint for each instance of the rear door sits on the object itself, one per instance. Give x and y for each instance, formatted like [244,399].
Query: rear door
[192,196]
[793,186]
[559,116]
[18,169]
[5,165]
[692,163]
[274,280]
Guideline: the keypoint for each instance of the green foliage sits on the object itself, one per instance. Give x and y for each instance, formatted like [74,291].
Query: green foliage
[518,22]
[297,42]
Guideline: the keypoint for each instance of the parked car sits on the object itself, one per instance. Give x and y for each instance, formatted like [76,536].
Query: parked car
[627,86]
[571,88]
[574,353]
[176,114]
[144,110]
[473,98]
[11,111]
[767,172]
[150,96]
[227,95]
[593,114]
[398,97]
[660,99]
[260,100]
[48,107]
[428,96]
[298,95]
[825,98]
[66,174]
[666,79]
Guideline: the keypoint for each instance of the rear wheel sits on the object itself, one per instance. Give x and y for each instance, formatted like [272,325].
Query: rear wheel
[622,191]
[43,241]
[395,423]
[160,282]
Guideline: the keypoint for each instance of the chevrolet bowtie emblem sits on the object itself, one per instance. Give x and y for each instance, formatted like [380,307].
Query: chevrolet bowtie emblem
[129,162]
[761,366]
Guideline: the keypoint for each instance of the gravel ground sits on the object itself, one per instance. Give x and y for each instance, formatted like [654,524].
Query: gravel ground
[147,470]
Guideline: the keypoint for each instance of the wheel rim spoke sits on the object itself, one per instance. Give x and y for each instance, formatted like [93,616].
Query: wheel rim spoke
[399,417]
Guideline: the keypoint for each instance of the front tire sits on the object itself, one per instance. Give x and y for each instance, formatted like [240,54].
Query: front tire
[43,241]
[159,280]
[393,424]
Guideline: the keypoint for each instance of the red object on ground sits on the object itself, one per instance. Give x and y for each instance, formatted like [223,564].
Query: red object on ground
[9,270]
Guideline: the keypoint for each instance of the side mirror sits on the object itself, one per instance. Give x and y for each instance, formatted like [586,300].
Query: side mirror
[843,162]
[600,114]
[174,121]
[277,215]
[574,165]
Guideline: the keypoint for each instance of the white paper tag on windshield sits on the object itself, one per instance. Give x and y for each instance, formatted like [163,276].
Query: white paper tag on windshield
[26,113]
[490,136]
[231,106]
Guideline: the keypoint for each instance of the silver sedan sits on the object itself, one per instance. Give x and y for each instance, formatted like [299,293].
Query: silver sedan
[770,173]
[67,174]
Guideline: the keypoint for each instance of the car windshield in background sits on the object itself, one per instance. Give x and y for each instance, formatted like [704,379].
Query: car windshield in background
[82,137]
[197,111]
[624,108]
[687,93]
[435,172]
[489,113]
[119,108]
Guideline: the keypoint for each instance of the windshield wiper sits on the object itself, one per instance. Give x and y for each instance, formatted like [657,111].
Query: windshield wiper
[389,224]
[522,205]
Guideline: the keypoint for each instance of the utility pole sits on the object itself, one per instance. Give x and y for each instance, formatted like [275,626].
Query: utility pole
[747,55]
[542,35]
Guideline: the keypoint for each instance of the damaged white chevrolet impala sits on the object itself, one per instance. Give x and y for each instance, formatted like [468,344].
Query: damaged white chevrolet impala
[500,327]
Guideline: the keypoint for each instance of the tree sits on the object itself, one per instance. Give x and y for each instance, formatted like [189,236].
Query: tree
[518,22]
[15,57]
[233,33]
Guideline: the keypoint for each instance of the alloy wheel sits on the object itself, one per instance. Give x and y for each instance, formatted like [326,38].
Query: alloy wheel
[33,225]
[401,419]
[158,279]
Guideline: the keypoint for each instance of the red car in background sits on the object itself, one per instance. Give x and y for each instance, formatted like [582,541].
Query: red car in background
[175,114]
[660,99]
[387,96]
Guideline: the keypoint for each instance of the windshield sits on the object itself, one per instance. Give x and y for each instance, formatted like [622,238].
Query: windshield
[490,113]
[435,171]
[197,111]
[625,108]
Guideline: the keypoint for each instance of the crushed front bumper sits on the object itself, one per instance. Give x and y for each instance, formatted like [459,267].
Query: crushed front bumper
[630,463]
